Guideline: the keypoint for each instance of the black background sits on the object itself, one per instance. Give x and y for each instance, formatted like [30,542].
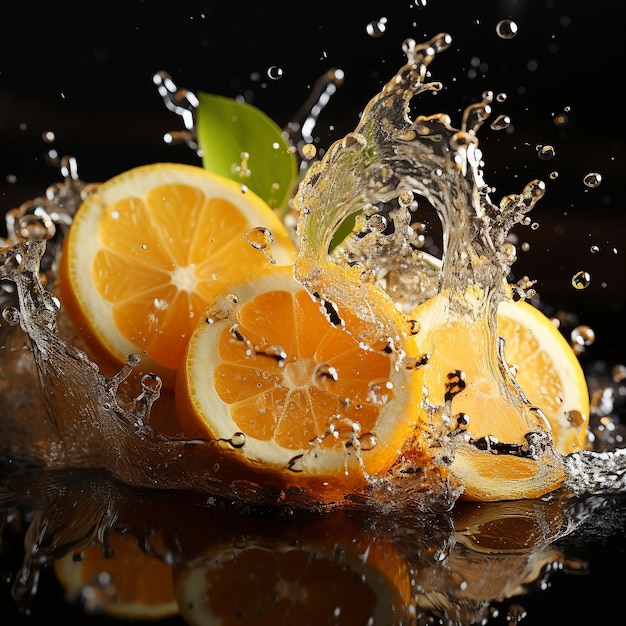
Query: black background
[84,71]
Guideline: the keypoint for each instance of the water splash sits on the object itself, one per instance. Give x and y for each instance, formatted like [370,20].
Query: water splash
[368,181]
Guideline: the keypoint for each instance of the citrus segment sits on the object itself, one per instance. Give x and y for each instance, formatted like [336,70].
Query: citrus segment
[128,583]
[499,461]
[148,250]
[284,389]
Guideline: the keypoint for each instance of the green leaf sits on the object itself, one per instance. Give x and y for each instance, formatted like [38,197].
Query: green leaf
[240,142]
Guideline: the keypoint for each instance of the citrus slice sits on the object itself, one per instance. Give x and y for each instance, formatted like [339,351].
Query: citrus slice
[149,249]
[543,366]
[330,579]
[126,583]
[284,390]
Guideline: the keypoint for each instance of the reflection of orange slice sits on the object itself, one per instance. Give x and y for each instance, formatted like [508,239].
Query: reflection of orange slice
[128,584]
[150,247]
[289,393]
[500,550]
[357,581]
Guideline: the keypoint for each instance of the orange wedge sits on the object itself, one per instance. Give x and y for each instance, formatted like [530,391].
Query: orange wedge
[540,363]
[128,583]
[286,392]
[149,249]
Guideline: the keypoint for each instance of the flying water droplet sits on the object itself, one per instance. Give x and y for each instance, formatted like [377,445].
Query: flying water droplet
[274,72]
[592,180]
[581,280]
[501,122]
[309,151]
[377,28]
[618,373]
[546,152]
[506,29]
[583,335]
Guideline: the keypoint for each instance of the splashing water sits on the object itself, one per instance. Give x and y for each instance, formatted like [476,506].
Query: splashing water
[81,418]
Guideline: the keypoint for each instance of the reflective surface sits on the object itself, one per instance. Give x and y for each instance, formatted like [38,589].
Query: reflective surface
[92,88]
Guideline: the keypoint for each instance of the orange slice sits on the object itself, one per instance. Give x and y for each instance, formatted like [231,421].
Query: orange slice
[128,584]
[329,579]
[149,249]
[285,391]
[541,363]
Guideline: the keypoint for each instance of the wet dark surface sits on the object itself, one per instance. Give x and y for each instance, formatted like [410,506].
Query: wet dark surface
[89,80]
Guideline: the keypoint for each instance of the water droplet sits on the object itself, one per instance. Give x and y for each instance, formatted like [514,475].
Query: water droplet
[133,359]
[420,4]
[377,223]
[501,97]
[583,335]
[11,315]
[296,464]
[506,29]
[575,418]
[618,373]
[260,238]
[274,72]
[581,280]
[592,180]
[48,136]
[367,441]
[377,28]
[36,226]
[594,249]
[501,122]
[554,175]
[325,375]
[238,440]
[309,151]
[546,152]
[462,420]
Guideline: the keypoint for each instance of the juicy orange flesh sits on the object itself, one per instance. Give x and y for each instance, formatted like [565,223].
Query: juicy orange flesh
[297,583]
[291,401]
[535,369]
[159,271]
[138,579]
[489,404]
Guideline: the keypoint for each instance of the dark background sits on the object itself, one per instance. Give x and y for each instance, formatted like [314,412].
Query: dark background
[84,71]
[86,74]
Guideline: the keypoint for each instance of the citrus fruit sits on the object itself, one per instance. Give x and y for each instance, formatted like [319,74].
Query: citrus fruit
[540,388]
[338,577]
[287,391]
[150,247]
[128,583]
